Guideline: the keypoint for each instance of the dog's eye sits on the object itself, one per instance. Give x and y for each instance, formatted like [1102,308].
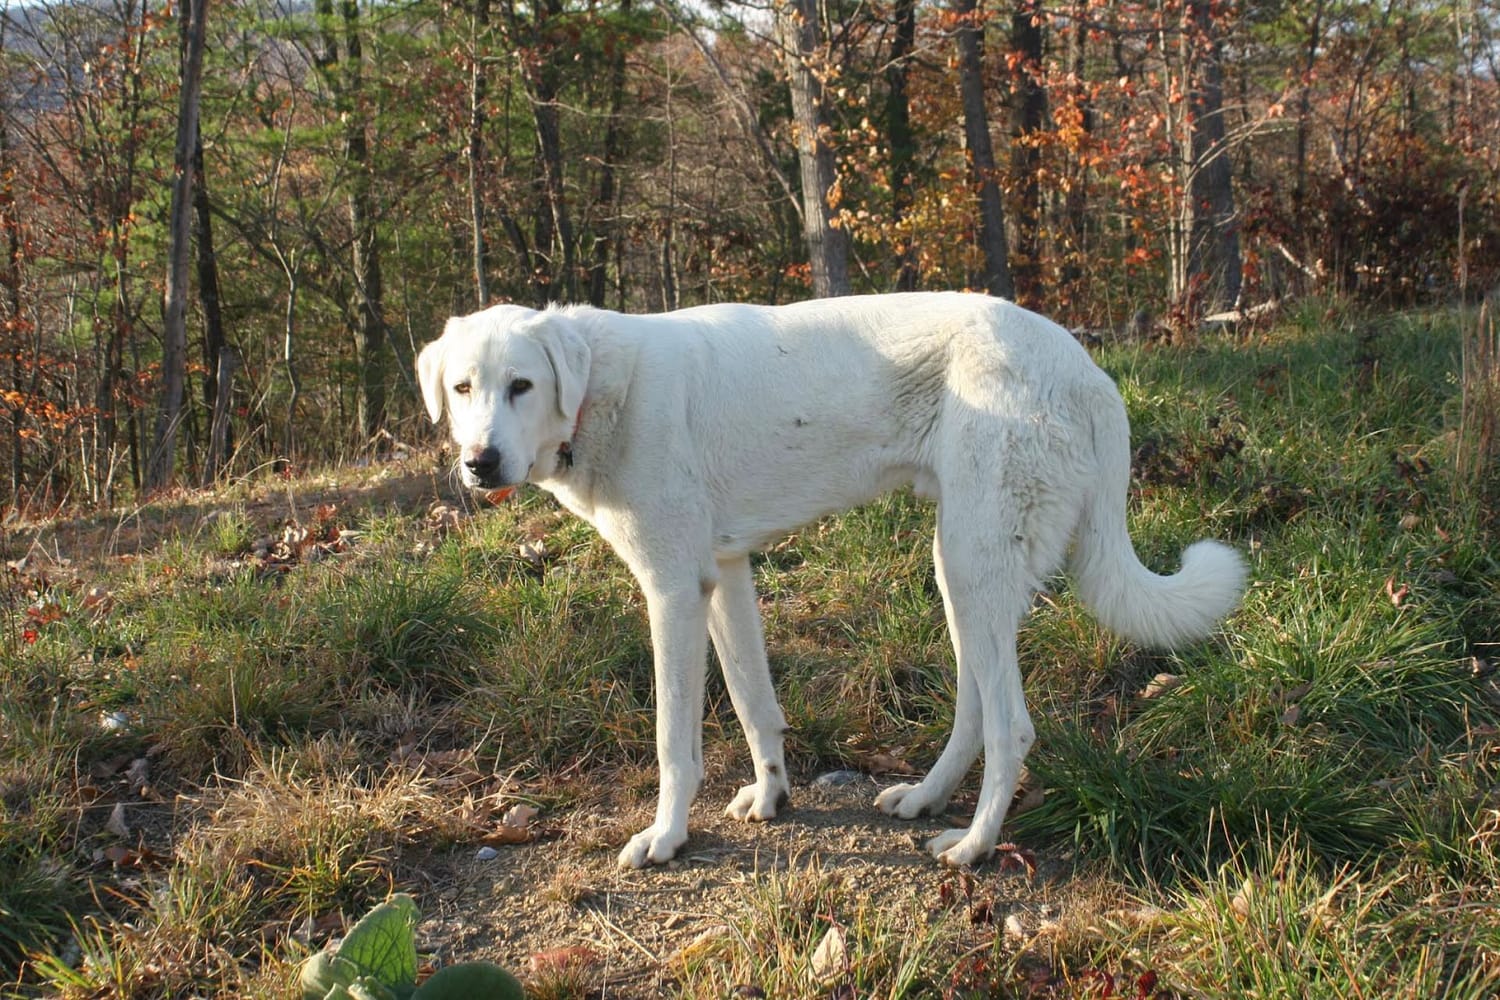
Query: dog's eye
[519,387]
[462,388]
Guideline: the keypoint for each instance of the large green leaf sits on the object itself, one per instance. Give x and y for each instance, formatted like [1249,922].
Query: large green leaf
[470,981]
[383,945]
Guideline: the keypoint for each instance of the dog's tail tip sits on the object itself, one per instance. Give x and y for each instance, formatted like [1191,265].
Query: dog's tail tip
[1168,611]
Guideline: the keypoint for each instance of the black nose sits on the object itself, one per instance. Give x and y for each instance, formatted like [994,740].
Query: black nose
[483,464]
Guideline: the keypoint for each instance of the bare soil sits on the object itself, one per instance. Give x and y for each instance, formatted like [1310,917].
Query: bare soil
[563,897]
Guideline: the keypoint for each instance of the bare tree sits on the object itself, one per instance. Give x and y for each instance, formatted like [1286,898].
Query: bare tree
[217,360]
[479,28]
[969,37]
[163,458]
[1213,260]
[605,203]
[802,52]
[1028,110]
[341,63]
[898,131]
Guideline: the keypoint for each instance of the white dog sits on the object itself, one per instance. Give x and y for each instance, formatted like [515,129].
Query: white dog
[693,438]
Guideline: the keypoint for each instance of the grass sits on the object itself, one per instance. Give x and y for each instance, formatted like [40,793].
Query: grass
[1309,808]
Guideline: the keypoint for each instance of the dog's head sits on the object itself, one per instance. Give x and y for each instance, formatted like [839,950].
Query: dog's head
[512,380]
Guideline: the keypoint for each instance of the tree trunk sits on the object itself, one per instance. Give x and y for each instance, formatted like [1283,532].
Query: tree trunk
[605,206]
[344,76]
[827,246]
[554,222]
[371,351]
[174,327]
[1213,263]
[227,363]
[1304,112]
[898,132]
[11,279]
[213,318]
[995,277]
[289,357]
[1028,119]
[1077,199]
[478,95]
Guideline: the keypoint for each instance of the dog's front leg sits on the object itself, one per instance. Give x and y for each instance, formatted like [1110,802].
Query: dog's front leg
[679,640]
[734,625]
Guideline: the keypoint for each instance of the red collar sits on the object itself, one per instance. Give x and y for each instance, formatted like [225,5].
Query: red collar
[565,450]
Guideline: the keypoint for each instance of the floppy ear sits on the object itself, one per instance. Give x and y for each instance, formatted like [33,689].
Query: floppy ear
[430,375]
[569,356]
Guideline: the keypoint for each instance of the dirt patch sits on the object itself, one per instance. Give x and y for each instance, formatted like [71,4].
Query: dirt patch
[80,543]
[565,895]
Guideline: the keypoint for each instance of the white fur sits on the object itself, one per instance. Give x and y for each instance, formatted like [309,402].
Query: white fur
[693,438]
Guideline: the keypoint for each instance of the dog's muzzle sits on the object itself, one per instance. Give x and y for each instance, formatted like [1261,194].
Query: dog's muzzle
[482,466]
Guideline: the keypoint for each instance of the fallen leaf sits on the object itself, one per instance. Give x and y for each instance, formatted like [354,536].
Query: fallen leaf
[705,943]
[885,763]
[116,823]
[831,957]
[138,773]
[45,614]
[128,857]
[1240,904]
[1297,693]
[1395,593]
[1029,793]
[520,815]
[110,766]
[1015,859]
[1161,684]
[503,835]
[1292,715]
[99,600]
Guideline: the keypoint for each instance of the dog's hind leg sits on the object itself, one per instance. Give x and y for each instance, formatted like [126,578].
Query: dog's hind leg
[735,626]
[930,796]
[988,590]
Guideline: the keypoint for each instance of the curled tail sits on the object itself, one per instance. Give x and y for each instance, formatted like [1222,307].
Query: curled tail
[1151,609]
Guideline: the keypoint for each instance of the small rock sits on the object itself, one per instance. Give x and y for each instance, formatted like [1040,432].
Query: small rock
[486,854]
[838,779]
[1015,930]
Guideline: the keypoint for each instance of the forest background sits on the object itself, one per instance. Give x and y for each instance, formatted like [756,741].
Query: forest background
[226,227]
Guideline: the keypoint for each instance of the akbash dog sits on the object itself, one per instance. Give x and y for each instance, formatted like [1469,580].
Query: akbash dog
[690,439]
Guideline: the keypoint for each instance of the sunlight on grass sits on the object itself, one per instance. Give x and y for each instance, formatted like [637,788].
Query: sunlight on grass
[1303,807]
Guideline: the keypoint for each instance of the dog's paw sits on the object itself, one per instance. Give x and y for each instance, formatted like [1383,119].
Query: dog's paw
[652,846]
[758,802]
[909,802]
[958,849]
